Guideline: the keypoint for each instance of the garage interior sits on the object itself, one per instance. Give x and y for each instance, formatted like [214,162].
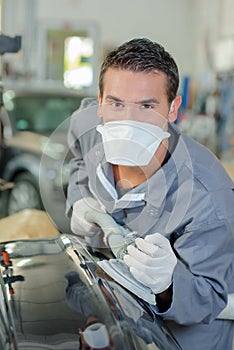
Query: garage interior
[198,33]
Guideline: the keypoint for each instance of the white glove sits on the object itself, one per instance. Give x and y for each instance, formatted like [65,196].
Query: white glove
[152,263]
[79,224]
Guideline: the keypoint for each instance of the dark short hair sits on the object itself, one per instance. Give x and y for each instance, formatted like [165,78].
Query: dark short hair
[142,55]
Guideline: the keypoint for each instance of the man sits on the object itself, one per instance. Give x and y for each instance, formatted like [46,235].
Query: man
[132,162]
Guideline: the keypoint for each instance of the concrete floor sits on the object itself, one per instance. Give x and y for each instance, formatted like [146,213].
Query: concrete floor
[27,224]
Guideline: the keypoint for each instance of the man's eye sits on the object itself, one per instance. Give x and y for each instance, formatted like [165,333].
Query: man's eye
[147,106]
[117,105]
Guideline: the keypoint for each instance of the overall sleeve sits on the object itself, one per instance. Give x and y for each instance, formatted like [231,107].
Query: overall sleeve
[204,273]
[78,181]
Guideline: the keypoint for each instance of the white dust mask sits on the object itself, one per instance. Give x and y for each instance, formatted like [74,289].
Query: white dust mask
[129,142]
[96,336]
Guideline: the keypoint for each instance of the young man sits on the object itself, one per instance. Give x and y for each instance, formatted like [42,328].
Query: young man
[132,162]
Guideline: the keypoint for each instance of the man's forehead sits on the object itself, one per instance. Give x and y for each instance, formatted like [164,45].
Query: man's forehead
[136,87]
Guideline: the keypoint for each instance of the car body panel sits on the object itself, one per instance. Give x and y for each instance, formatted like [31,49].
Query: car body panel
[59,287]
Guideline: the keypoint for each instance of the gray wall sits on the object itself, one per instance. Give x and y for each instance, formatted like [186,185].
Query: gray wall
[189,29]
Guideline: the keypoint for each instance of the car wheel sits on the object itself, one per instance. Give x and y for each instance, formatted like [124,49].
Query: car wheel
[24,195]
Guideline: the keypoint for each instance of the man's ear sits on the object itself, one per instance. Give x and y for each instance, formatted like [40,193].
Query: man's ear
[99,112]
[175,105]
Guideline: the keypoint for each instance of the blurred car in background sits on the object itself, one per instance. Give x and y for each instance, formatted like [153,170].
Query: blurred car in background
[53,295]
[35,123]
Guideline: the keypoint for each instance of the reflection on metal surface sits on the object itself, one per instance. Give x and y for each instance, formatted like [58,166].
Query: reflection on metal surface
[65,299]
[7,331]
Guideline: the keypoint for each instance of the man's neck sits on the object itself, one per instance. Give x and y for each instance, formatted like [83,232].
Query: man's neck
[131,176]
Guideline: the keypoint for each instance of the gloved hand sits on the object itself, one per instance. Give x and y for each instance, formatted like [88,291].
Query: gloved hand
[152,262]
[79,224]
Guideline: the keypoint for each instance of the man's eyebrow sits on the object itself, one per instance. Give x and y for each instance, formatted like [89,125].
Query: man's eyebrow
[113,98]
[141,102]
[149,100]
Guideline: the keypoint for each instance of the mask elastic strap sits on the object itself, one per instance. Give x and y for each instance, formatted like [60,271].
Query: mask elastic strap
[166,122]
[167,117]
[171,106]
